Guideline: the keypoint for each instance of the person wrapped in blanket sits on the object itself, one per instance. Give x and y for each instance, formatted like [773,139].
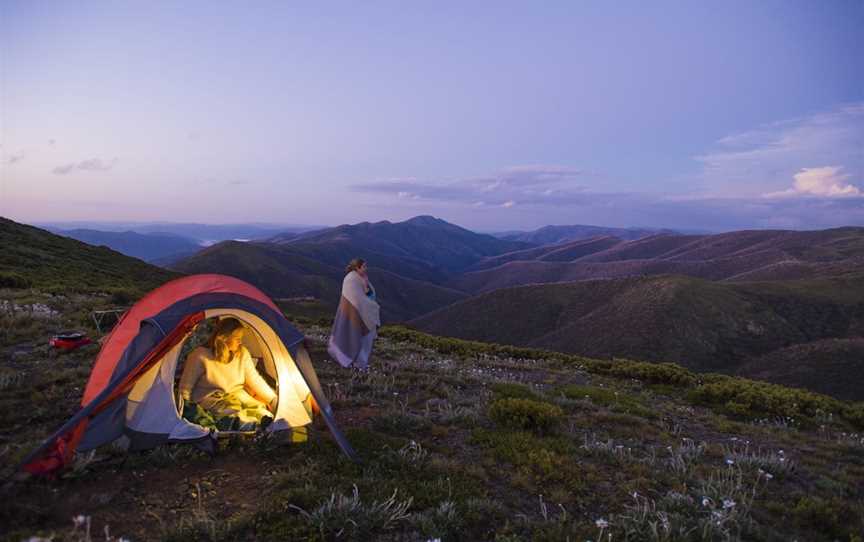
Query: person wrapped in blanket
[220,386]
[357,319]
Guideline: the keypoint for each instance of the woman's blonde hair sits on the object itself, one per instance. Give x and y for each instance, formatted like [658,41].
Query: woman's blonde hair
[355,264]
[220,336]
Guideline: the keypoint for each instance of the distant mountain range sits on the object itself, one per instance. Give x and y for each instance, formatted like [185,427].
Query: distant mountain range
[738,256]
[201,233]
[164,244]
[150,247]
[554,235]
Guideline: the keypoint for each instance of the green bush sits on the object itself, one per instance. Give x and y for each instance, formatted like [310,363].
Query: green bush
[123,297]
[854,413]
[510,390]
[834,517]
[655,373]
[750,398]
[526,414]
[10,279]
[617,401]
[602,396]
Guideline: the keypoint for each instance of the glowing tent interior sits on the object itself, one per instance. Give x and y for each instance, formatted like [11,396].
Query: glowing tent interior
[131,390]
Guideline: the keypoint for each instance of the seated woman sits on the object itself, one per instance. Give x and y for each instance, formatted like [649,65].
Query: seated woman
[222,379]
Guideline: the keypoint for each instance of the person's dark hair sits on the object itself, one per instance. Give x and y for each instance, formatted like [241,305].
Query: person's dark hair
[354,265]
[223,331]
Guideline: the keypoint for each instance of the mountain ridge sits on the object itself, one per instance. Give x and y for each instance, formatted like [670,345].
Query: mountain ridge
[740,255]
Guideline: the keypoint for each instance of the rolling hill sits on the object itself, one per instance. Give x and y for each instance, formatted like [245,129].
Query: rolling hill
[704,325]
[549,253]
[830,366]
[553,235]
[735,256]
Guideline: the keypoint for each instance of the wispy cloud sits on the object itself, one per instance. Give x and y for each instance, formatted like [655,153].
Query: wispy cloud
[14,158]
[499,199]
[774,176]
[827,182]
[763,160]
[92,164]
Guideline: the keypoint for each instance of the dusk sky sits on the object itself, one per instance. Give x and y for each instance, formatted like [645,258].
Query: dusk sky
[492,115]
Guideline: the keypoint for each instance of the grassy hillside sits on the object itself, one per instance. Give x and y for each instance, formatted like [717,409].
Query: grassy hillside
[35,258]
[551,253]
[283,273]
[705,326]
[471,442]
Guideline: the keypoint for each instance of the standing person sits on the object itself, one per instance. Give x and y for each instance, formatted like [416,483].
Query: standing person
[357,318]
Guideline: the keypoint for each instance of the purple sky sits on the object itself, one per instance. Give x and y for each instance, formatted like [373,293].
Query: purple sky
[683,114]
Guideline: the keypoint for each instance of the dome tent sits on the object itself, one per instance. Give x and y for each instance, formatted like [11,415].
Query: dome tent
[131,387]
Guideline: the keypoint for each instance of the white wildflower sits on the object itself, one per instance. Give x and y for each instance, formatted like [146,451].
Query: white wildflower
[79,520]
[728,503]
[601,523]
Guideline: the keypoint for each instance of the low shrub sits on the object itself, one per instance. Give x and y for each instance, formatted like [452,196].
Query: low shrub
[750,398]
[526,414]
[122,297]
[618,401]
[398,424]
[834,517]
[511,390]
[350,517]
[655,373]
[10,279]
